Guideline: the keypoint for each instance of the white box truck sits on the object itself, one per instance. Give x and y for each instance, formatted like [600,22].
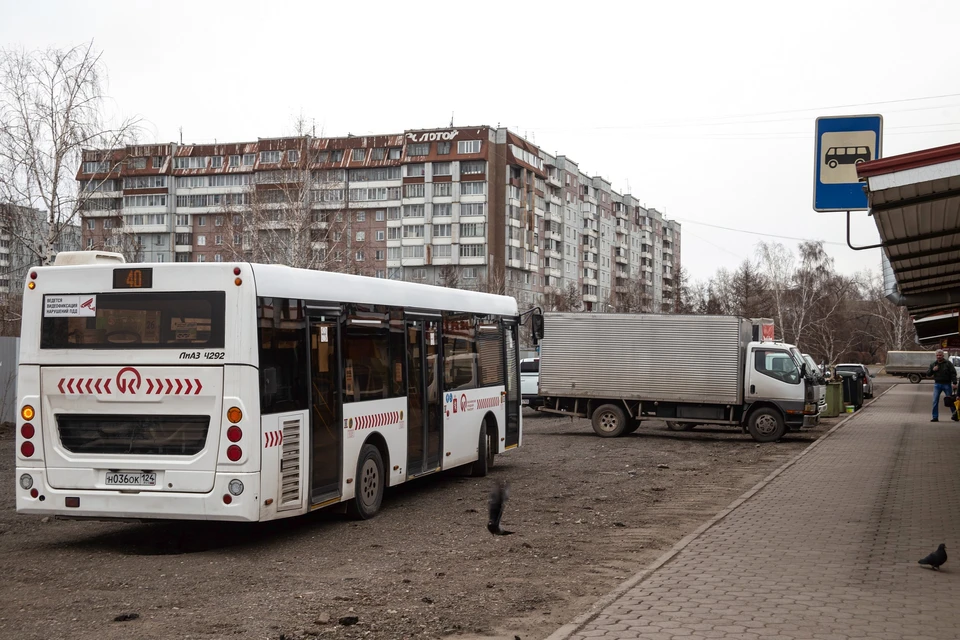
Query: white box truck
[620,369]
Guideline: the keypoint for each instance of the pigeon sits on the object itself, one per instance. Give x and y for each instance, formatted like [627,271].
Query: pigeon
[936,558]
[497,499]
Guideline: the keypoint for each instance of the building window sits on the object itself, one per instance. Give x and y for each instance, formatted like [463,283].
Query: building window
[380,235]
[471,168]
[216,162]
[415,170]
[413,211]
[418,149]
[91,224]
[293,156]
[442,251]
[218,221]
[201,221]
[441,168]
[443,148]
[218,240]
[468,146]
[442,209]
[393,233]
[380,215]
[468,273]
[441,231]
[413,231]
[377,154]
[393,213]
[234,161]
[472,209]
[361,216]
[472,250]
[361,236]
[248,159]
[201,241]
[474,188]
[336,155]
[474,230]
[96,167]
[218,258]
[359,154]
[359,256]
[413,190]
[138,163]
[394,153]
[441,189]
[269,157]
[158,161]
[378,254]
[380,273]
[201,258]
[89,243]
[418,274]
[394,253]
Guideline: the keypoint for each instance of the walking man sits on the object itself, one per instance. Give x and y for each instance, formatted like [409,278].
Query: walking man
[944,376]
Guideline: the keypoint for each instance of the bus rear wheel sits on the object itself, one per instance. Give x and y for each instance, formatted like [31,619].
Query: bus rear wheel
[369,481]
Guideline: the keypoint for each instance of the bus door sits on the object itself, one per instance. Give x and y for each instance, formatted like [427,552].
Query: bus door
[326,442]
[512,380]
[424,417]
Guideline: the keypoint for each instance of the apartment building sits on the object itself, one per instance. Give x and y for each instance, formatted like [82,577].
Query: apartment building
[473,207]
[23,235]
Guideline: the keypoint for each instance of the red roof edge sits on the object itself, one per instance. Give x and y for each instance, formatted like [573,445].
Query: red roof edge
[912,160]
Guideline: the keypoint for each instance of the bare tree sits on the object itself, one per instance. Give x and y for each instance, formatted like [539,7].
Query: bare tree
[51,109]
[568,298]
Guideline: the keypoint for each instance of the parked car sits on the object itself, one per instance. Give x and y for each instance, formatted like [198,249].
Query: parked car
[866,376]
[530,382]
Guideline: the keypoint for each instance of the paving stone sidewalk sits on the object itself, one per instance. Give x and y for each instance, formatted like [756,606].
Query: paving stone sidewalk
[826,549]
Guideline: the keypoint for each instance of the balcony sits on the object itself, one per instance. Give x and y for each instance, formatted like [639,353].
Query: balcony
[553,272]
[621,259]
[592,282]
[621,229]
[553,179]
[553,235]
[589,298]
[552,253]
[621,288]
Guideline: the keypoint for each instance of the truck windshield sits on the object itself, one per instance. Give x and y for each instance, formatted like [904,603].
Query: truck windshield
[154,320]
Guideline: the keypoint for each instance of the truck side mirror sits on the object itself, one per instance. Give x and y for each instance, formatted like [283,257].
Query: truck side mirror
[536,327]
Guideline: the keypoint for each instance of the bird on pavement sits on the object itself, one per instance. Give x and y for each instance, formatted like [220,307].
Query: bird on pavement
[936,558]
[497,499]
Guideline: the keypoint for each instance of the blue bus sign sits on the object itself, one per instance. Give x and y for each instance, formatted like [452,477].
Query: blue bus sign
[842,143]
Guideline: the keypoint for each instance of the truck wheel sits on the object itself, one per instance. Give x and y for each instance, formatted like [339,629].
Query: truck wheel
[680,426]
[914,378]
[766,425]
[609,421]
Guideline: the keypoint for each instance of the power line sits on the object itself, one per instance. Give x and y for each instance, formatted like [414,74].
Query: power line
[718,120]
[758,233]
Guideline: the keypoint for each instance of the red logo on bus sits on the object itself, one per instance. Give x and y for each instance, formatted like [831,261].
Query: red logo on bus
[128,378]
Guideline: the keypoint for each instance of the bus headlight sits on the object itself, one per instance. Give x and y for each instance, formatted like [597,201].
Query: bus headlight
[235,487]
[26,482]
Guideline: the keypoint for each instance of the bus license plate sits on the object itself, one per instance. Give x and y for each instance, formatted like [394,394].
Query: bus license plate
[132,479]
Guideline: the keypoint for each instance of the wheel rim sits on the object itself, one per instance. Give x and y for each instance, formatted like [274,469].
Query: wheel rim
[369,484]
[490,445]
[608,422]
[766,425]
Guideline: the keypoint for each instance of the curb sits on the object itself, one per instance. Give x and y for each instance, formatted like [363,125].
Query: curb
[564,632]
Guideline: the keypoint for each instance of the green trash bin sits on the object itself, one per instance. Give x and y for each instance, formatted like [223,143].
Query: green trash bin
[834,400]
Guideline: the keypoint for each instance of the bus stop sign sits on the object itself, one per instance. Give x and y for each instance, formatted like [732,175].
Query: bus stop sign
[843,142]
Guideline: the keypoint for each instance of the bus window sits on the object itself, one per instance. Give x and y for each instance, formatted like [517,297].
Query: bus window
[283,360]
[153,320]
[490,348]
[366,357]
[459,352]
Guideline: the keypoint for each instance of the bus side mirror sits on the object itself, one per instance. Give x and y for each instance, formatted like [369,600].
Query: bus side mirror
[536,327]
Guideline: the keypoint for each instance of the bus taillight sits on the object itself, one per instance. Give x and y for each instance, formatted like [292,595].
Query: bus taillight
[26,449]
[27,431]
[234,453]
[234,434]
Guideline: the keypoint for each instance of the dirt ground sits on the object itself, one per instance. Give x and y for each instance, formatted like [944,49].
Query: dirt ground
[587,513]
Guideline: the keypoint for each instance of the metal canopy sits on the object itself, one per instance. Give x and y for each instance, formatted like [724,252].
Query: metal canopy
[914,199]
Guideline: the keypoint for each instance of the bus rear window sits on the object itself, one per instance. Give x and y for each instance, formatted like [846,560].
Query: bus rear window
[152,320]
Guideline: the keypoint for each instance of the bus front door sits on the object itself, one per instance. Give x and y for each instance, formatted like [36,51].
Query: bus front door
[326,431]
[424,418]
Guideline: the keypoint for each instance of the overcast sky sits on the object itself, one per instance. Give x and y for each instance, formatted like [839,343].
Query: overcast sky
[704,110]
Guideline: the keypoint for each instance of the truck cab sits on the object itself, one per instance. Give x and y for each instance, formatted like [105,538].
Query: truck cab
[778,385]
[530,382]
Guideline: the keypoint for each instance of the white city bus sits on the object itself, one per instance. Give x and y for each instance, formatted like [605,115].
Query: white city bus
[251,392]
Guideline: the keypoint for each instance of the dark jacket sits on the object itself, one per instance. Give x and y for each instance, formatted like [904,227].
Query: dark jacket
[946,373]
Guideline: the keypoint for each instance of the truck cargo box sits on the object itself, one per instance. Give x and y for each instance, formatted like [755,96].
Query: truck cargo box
[671,358]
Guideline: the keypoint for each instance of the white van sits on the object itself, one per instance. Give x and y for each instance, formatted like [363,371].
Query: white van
[530,382]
